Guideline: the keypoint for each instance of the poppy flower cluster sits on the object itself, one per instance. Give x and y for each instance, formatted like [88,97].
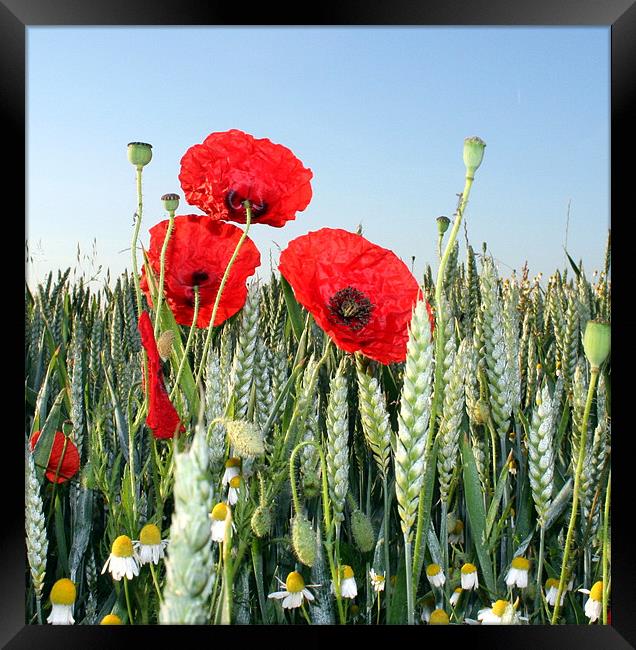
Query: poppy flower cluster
[198,253]
[360,294]
[162,418]
[64,459]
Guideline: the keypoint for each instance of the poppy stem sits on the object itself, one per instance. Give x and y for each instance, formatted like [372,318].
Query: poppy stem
[162,270]
[133,246]
[204,355]
[195,315]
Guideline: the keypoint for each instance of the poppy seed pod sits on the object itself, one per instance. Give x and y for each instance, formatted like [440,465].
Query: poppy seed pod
[596,342]
[473,154]
[170,202]
[303,540]
[442,224]
[362,530]
[139,153]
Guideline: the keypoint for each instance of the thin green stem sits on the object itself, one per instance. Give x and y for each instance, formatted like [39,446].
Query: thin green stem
[154,579]
[540,569]
[226,275]
[162,269]
[606,547]
[575,492]
[184,358]
[387,555]
[410,605]
[130,616]
[134,239]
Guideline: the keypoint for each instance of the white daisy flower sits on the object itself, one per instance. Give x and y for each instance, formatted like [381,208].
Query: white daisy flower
[150,547]
[219,516]
[295,591]
[232,469]
[501,613]
[233,491]
[435,575]
[123,560]
[594,604]
[469,576]
[518,573]
[62,597]
[551,591]
[455,596]
[377,581]
[348,586]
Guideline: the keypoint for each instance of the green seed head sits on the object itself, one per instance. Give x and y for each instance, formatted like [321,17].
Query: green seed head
[261,521]
[170,202]
[139,153]
[304,540]
[362,530]
[473,154]
[442,224]
[596,342]
[479,413]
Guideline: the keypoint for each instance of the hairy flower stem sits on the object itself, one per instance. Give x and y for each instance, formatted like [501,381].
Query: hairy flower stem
[204,355]
[133,246]
[162,269]
[439,356]
[606,547]
[195,315]
[575,492]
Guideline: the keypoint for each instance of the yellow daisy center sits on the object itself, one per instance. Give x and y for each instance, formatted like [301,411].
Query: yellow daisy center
[294,582]
[499,607]
[433,569]
[233,462]
[63,592]
[219,512]
[458,590]
[378,578]
[235,481]
[122,547]
[521,563]
[111,619]
[346,572]
[150,535]
[438,617]
[596,593]
[551,582]
[468,568]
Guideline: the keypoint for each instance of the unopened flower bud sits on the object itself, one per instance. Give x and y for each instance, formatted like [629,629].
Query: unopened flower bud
[139,153]
[473,154]
[596,342]
[303,540]
[362,530]
[261,521]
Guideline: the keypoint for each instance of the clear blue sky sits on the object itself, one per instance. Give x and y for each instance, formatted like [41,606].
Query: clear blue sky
[378,114]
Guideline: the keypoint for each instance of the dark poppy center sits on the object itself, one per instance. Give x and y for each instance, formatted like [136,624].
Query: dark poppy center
[198,278]
[350,307]
[234,201]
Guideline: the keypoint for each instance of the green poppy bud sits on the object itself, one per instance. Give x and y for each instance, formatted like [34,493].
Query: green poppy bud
[596,342]
[362,530]
[473,154]
[261,521]
[139,153]
[442,224]
[170,202]
[303,540]
[311,484]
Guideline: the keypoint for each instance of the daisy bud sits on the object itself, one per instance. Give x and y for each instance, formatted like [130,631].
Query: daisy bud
[304,540]
[245,437]
[362,530]
[261,521]
[438,617]
[473,154]
[111,619]
[596,342]
[139,153]
[170,202]
[442,224]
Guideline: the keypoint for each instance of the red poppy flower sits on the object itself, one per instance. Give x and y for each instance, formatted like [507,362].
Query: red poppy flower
[231,166]
[360,294]
[198,253]
[162,418]
[59,452]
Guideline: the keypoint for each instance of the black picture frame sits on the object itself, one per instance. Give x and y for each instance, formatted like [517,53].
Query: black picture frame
[618,15]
